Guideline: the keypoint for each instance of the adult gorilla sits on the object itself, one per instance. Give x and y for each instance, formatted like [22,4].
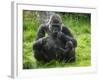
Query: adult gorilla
[58,45]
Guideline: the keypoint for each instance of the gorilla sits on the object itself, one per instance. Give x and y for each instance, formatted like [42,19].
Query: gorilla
[54,41]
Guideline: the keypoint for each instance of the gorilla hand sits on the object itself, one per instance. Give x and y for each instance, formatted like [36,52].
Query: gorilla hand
[69,45]
[39,42]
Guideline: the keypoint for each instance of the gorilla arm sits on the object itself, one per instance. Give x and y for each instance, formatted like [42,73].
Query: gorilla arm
[41,39]
[41,32]
[66,36]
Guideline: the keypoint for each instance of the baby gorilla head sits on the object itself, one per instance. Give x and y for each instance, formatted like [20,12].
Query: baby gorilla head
[55,25]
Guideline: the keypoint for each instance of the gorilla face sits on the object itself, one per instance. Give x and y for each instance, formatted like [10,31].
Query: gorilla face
[55,29]
[55,25]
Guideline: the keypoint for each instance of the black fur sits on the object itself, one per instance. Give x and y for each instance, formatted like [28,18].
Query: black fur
[58,45]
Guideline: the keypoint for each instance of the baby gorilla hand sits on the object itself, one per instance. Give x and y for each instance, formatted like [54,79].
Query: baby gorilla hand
[69,45]
[59,35]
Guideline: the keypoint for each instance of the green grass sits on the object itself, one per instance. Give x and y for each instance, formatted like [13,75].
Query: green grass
[78,23]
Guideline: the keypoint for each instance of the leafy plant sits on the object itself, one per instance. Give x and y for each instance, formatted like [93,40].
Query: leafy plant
[78,23]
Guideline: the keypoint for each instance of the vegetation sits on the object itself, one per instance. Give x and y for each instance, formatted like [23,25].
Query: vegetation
[78,23]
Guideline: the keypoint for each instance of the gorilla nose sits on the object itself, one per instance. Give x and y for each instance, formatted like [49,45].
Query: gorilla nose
[56,32]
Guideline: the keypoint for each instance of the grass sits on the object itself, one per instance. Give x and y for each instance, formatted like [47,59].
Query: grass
[79,25]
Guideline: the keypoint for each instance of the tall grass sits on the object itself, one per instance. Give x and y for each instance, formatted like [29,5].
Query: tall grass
[79,25]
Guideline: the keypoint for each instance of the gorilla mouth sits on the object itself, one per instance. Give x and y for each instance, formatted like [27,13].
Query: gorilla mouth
[54,34]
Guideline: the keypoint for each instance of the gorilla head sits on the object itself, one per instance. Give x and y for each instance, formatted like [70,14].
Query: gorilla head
[55,25]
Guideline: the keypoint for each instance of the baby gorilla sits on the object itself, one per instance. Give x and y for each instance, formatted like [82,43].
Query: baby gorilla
[58,45]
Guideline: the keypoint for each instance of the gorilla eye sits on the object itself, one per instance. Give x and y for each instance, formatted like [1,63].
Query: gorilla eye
[55,28]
